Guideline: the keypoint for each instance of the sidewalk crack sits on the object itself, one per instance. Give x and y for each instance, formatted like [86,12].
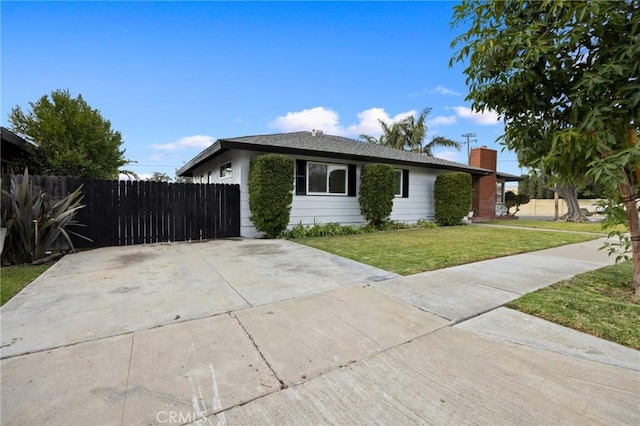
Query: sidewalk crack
[283,385]
[126,388]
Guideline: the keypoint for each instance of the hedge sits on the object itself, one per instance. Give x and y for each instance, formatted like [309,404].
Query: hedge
[452,194]
[271,192]
[376,193]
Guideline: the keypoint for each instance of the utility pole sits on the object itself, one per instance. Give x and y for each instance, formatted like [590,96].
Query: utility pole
[469,140]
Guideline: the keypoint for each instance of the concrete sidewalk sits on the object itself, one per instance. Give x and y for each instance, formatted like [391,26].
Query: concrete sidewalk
[429,349]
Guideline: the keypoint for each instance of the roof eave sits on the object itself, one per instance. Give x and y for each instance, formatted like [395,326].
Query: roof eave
[201,158]
[344,156]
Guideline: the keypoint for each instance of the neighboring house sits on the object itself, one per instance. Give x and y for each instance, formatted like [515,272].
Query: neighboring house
[327,176]
[14,152]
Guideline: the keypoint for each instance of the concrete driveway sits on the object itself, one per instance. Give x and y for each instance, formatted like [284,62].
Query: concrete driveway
[115,290]
[270,332]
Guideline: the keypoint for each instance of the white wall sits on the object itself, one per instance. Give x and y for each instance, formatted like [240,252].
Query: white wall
[420,204]
[306,209]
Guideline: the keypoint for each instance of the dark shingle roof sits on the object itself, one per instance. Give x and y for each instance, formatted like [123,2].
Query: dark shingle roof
[508,177]
[323,145]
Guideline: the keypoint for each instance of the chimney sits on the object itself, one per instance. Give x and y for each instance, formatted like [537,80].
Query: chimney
[484,202]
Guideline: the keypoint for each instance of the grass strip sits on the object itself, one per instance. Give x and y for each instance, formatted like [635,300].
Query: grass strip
[15,278]
[601,303]
[409,252]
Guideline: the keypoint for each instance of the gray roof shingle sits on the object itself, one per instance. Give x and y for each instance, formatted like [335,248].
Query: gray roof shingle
[324,145]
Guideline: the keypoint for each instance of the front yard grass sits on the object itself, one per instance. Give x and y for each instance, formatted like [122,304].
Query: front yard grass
[559,225]
[600,302]
[412,251]
[15,278]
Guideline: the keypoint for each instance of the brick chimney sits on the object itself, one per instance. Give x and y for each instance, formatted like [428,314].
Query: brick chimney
[484,187]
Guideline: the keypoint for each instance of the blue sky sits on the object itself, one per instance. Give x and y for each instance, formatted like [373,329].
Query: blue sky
[174,76]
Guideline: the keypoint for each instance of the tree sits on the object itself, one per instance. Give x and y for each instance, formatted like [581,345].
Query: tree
[69,137]
[409,134]
[159,177]
[564,77]
[182,179]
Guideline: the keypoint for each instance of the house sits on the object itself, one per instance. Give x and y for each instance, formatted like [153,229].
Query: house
[327,176]
[15,152]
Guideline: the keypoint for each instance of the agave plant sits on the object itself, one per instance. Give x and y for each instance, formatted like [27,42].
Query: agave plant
[34,222]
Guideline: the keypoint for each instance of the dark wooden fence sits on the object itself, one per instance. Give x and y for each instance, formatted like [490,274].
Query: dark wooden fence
[118,213]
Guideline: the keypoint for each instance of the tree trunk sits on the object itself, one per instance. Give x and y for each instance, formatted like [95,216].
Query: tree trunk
[633,219]
[569,194]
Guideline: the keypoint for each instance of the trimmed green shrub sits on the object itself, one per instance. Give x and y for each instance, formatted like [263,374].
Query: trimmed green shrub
[512,200]
[271,192]
[452,194]
[376,193]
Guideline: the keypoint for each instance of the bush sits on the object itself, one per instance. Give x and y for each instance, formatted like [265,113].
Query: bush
[512,200]
[271,192]
[376,193]
[25,205]
[332,229]
[452,194]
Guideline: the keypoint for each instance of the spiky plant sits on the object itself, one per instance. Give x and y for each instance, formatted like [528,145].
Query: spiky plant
[34,222]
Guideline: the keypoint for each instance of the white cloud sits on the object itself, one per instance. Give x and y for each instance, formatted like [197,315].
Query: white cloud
[321,118]
[445,91]
[156,157]
[448,155]
[486,118]
[368,121]
[328,120]
[187,142]
[441,120]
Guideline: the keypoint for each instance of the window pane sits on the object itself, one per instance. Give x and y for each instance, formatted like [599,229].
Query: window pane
[500,192]
[225,170]
[398,182]
[338,180]
[317,178]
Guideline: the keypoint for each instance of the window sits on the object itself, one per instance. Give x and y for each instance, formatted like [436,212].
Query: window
[397,183]
[500,192]
[327,178]
[225,170]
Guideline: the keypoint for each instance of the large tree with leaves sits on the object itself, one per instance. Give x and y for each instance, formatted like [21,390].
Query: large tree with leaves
[410,134]
[564,75]
[69,137]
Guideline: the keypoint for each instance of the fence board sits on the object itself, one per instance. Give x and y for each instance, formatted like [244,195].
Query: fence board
[126,212]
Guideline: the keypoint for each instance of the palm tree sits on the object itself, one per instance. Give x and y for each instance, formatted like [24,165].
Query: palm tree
[409,134]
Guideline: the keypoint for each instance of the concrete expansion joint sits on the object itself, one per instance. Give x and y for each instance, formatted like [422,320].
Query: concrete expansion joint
[126,387]
[66,345]
[283,385]
[215,270]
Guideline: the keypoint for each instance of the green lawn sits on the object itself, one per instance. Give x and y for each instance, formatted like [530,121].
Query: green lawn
[411,251]
[600,302]
[15,278]
[559,225]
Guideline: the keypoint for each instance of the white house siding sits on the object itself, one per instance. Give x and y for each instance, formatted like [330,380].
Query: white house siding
[307,209]
[239,175]
[419,204]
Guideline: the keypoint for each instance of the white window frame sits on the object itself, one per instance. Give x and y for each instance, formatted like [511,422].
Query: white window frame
[226,170]
[395,171]
[335,166]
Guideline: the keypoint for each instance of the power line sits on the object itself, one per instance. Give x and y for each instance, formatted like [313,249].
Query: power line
[469,136]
